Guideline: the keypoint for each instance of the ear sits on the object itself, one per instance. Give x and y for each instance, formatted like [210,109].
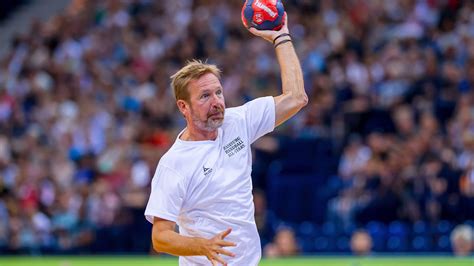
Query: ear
[183,107]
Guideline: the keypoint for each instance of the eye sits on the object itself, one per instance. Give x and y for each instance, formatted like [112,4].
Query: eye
[205,95]
[219,92]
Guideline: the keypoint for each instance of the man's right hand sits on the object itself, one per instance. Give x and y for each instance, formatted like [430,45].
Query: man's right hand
[215,246]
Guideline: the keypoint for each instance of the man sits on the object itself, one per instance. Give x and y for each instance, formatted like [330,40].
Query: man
[462,240]
[203,182]
[361,243]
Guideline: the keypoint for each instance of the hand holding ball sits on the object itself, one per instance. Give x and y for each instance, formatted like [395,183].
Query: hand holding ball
[263,14]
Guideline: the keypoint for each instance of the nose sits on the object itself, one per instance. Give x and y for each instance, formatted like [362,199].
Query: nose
[215,105]
[217,101]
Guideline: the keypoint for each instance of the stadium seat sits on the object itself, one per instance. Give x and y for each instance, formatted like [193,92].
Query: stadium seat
[421,243]
[397,244]
[343,244]
[303,155]
[307,232]
[378,232]
[329,229]
[306,244]
[443,227]
[397,228]
[307,229]
[376,228]
[324,244]
[420,228]
[349,229]
[288,196]
[379,243]
[443,244]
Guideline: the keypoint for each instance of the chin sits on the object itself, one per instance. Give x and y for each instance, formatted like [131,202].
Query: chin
[216,124]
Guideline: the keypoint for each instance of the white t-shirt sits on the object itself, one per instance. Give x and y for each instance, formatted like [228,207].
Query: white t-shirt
[206,186]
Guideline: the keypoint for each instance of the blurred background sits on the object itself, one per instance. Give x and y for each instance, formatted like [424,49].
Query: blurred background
[380,161]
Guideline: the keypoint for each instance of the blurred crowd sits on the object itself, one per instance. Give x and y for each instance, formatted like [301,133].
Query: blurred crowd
[86,111]
[7,6]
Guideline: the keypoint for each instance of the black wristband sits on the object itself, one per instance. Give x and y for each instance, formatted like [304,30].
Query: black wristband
[281,35]
[282,42]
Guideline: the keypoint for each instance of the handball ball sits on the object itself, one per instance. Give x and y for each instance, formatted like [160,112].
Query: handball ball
[263,14]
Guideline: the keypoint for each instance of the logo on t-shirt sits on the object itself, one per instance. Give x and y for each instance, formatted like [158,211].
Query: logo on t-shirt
[207,171]
[234,146]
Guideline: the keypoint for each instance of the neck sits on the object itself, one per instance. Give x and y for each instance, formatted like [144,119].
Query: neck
[194,134]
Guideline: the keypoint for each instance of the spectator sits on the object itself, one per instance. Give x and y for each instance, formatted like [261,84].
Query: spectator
[284,244]
[361,243]
[462,240]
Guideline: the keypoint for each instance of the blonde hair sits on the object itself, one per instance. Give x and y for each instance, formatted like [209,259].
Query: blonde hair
[192,70]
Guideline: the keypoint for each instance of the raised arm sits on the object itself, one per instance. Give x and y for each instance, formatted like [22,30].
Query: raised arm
[165,239]
[293,96]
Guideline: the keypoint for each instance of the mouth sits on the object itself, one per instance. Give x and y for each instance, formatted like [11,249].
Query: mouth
[218,115]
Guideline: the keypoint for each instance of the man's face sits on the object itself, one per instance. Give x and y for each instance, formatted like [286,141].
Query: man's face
[206,103]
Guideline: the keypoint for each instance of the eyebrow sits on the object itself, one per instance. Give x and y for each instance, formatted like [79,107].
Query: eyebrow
[209,90]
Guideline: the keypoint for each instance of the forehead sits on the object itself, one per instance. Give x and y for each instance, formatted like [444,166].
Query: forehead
[207,81]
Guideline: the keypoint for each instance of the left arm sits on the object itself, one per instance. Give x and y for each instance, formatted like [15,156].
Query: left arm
[293,96]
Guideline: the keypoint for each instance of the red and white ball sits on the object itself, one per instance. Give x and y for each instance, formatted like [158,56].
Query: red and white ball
[263,14]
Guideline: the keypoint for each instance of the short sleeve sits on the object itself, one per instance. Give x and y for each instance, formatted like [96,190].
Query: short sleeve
[260,117]
[167,195]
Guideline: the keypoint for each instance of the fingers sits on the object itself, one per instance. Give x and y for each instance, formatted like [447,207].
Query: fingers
[253,30]
[260,33]
[265,34]
[225,252]
[269,35]
[225,233]
[217,258]
[223,243]
[212,260]
[218,244]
